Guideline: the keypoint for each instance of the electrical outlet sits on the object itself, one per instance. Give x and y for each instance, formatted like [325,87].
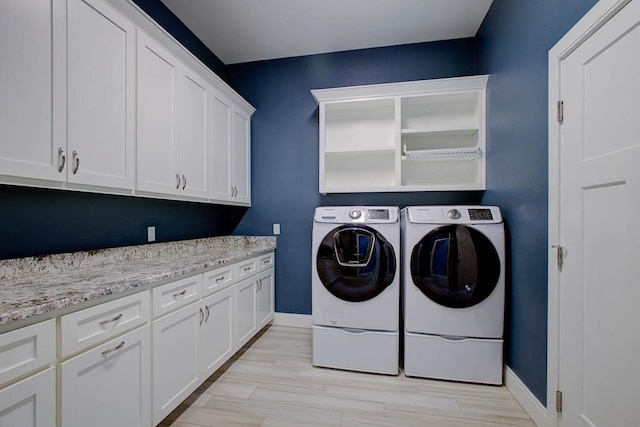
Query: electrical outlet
[276,228]
[151,234]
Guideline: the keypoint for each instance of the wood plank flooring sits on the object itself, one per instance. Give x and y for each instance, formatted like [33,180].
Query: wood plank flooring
[271,382]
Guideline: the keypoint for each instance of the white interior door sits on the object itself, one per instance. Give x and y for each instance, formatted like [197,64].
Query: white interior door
[599,227]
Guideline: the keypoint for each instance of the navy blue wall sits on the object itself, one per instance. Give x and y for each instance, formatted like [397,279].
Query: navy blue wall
[513,44]
[37,221]
[285,144]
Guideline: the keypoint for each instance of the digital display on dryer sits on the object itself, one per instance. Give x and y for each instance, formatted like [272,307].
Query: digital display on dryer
[378,214]
[480,215]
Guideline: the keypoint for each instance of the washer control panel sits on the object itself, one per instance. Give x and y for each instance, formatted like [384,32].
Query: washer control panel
[357,214]
[453,214]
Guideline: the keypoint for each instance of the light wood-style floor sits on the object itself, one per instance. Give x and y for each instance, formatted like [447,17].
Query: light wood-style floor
[271,382]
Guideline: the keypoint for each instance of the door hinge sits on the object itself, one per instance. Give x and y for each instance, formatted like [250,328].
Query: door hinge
[559,256]
[560,115]
[558,401]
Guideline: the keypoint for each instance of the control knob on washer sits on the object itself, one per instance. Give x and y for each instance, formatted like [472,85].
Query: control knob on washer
[454,214]
[355,214]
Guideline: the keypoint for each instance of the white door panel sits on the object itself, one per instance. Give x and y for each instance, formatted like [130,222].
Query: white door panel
[599,227]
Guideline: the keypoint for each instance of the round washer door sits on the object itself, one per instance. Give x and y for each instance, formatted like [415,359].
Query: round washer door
[355,263]
[455,266]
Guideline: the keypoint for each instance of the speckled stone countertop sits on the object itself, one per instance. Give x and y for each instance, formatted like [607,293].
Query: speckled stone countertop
[37,285]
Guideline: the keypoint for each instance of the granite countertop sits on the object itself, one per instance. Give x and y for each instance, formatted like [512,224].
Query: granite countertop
[38,285]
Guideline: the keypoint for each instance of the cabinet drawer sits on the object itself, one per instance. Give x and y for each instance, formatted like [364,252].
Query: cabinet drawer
[96,324]
[265,261]
[217,280]
[174,295]
[27,349]
[246,268]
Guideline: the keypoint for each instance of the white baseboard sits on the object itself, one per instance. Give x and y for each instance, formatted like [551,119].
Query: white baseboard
[523,395]
[294,320]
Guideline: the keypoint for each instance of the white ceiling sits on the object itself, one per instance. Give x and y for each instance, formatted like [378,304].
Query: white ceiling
[251,30]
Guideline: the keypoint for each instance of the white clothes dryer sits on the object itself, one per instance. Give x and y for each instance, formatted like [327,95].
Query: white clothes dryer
[453,261]
[356,288]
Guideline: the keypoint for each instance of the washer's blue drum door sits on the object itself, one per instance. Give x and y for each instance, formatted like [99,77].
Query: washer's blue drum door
[355,263]
[455,266]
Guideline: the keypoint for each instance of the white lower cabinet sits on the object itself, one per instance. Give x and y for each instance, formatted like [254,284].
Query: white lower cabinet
[175,358]
[108,385]
[30,402]
[265,303]
[246,310]
[118,367]
[217,337]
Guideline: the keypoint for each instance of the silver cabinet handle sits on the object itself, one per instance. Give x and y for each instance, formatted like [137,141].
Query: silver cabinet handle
[76,162]
[184,182]
[116,348]
[178,181]
[235,191]
[232,191]
[180,294]
[62,159]
[115,319]
[206,308]
[201,316]
[248,268]
[219,279]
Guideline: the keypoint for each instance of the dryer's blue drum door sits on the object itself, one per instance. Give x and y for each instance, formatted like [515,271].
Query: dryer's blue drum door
[455,266]
[355,263]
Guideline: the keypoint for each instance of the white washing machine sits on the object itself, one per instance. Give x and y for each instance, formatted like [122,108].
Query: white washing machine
[356,288]
[453,263]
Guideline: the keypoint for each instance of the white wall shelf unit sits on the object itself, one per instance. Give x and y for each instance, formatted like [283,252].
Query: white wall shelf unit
[424,135]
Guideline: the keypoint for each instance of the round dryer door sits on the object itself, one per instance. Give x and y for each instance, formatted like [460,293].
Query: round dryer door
[455,266]
[355,263]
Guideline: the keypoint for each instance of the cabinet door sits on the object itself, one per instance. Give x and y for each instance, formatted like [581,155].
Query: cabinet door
[175,358]
[217,332]
[30,402]
[101,77]
[241,161]
[108,385]
[266,287]
[195,138]
[246,324]
[221,185]
[32,87]
[157,150]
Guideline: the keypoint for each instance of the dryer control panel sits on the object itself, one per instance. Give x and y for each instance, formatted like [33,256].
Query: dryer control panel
[357,214]
[453,214]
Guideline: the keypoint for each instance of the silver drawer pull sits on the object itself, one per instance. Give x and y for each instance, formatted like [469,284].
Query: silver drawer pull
[219,279]
[115,319]
[76,162]
[266,261]
[180,294]
[62,159]
[116,348]
[247,268]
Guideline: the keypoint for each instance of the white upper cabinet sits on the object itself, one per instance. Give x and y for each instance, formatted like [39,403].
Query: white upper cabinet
[195,135]
[412,136]
[221,148]
[98,97]
[32,84]
[241,156]
[231,152]
[173,117]
[101,95]
[157,107]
